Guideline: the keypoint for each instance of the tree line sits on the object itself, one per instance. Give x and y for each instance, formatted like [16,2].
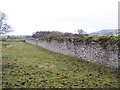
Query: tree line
[40,34]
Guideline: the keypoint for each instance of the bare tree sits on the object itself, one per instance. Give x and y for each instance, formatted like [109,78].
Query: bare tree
[81,32]
[4,27]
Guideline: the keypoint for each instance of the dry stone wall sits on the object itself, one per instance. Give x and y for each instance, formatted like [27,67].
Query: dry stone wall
[92,52]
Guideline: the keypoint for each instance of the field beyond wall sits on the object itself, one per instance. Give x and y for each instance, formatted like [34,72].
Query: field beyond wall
[30,66]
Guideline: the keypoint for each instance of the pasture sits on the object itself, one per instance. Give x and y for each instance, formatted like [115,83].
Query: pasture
[30,66]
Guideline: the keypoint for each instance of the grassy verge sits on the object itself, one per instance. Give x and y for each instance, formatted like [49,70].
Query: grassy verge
[29,66]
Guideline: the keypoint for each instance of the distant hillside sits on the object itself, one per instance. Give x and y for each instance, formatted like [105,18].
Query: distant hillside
[105,32]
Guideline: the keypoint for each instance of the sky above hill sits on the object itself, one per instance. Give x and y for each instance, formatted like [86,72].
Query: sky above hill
[28,16]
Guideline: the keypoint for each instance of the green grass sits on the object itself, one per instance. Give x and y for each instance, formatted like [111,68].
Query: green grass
[29,66]
[0,65]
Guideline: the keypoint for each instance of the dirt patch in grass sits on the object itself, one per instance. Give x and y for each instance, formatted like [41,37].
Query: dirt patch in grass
[46,66]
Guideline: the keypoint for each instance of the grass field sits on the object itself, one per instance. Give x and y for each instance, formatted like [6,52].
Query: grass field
[0,65]
[29,66]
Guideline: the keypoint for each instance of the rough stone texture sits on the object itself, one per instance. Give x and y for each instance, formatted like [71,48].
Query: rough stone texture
[92,52]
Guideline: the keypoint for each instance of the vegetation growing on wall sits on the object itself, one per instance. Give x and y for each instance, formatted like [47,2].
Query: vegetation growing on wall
[104,41]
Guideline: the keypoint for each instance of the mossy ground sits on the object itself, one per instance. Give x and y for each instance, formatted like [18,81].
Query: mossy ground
[29,66]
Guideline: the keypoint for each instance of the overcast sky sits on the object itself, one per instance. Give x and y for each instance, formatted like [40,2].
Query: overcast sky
[28,16]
